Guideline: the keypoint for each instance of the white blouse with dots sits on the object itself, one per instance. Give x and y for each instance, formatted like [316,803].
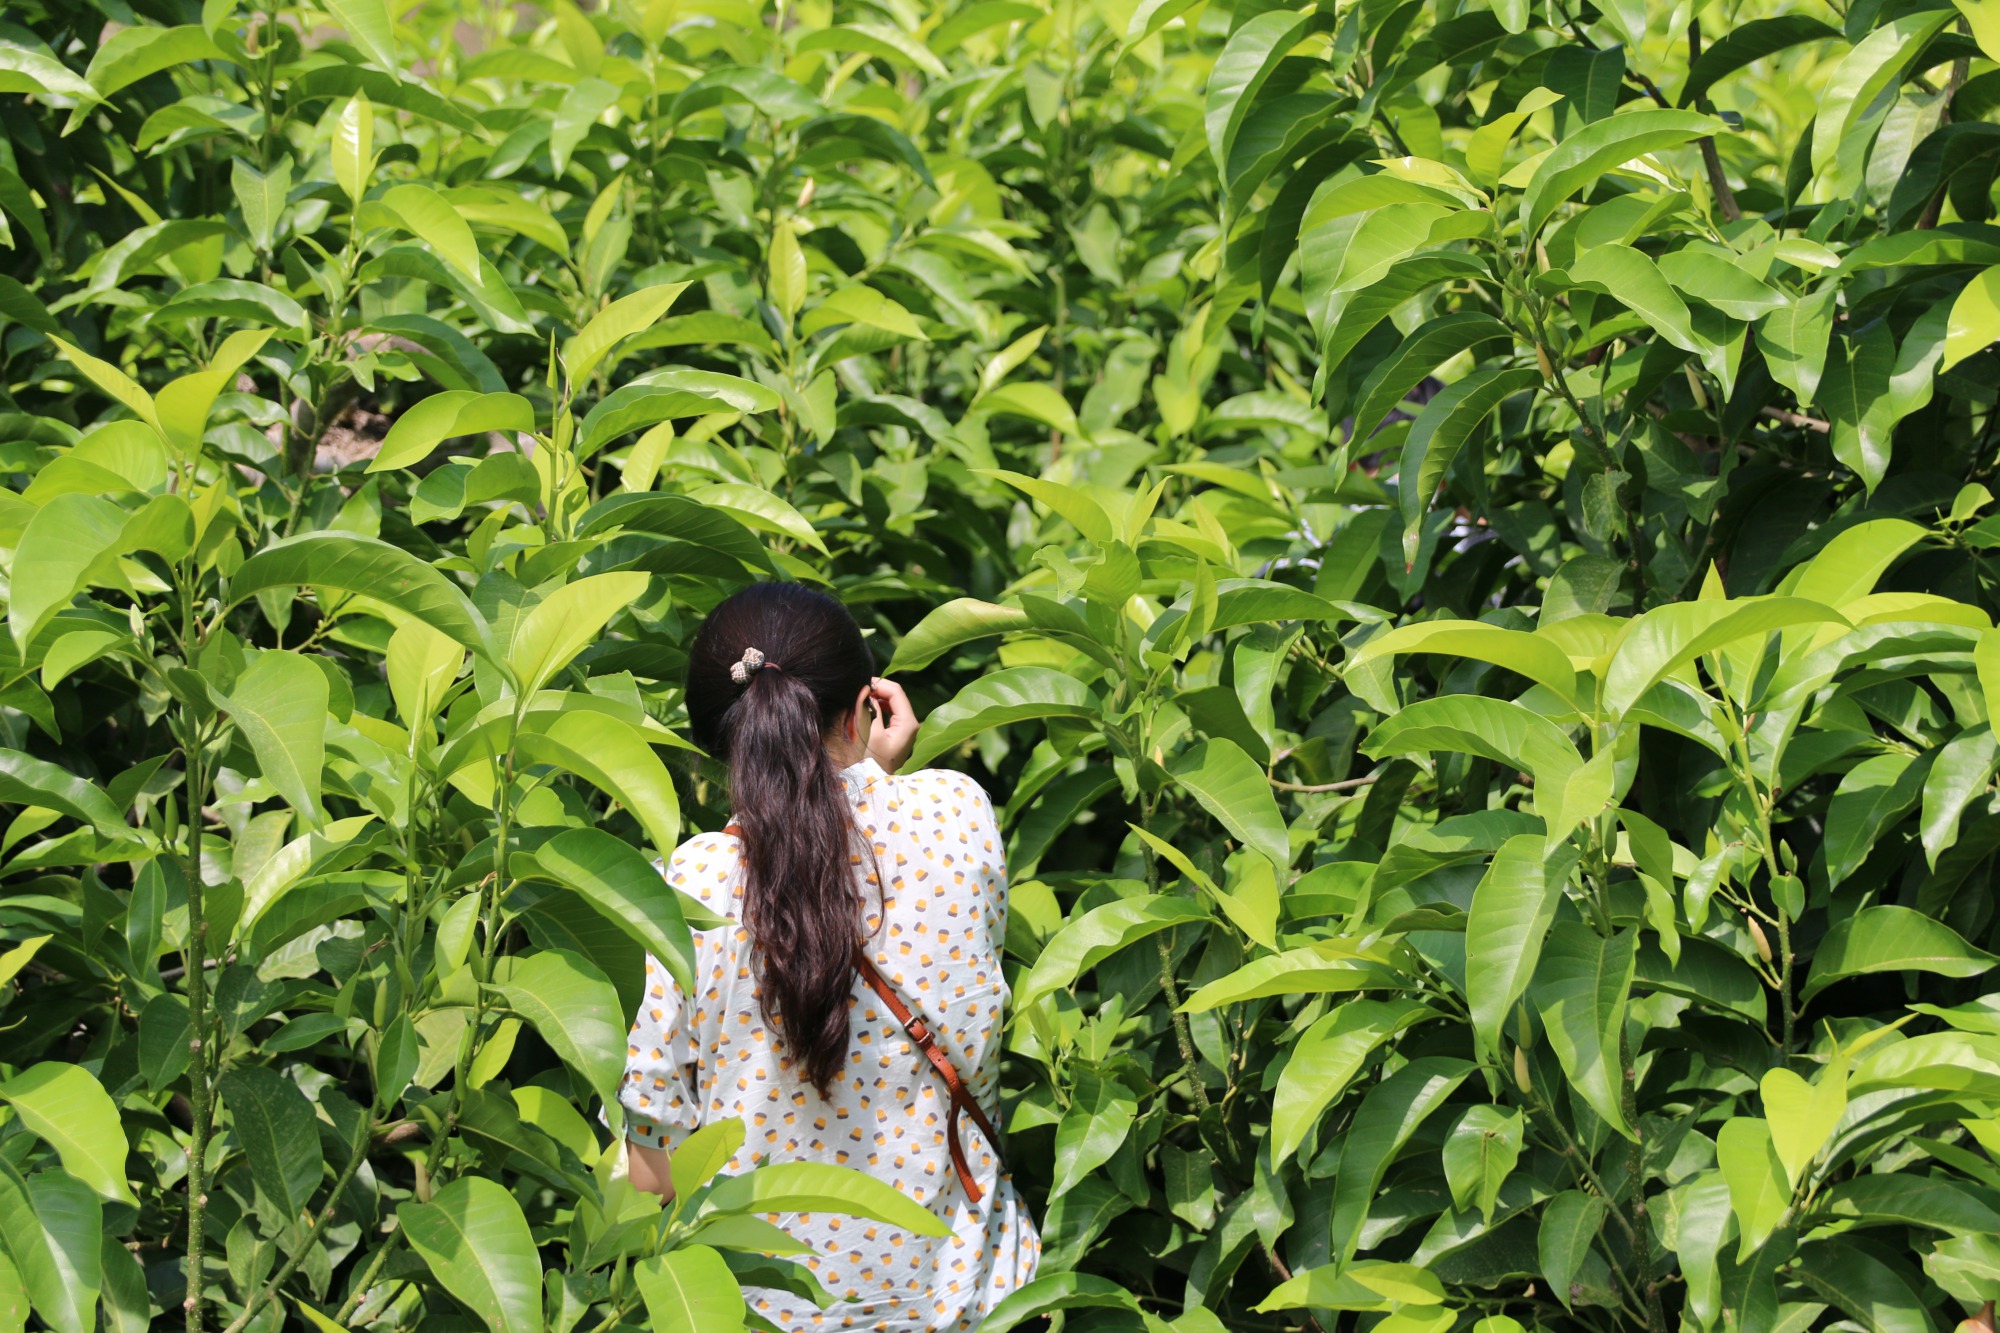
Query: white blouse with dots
[937,939]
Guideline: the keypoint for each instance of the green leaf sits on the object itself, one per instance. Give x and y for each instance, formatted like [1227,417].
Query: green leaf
[395,582]
[788,273]
[1084,514]
[1050,1292]
[580,109]
[1427,347]
[370,27]
[1746,44]
[618,321]
[1368,1285]
[139,52]
[1629,277]
[1668,637]
[876,39]
[1016,694]
[353,149]
[1087,940]
[1872,796]
[1962,771]
[279,705]
[66,543]
[1758,1194]
[689,1290]
[1512,910]
[1856,1281]
[1570,1222]
[52,1226]
[1246,61]
[1580,990]
[1530,655]
[443,416]
[817,1187]
[1501,731]
[476,1242]
[1974,323]
[1100,1115]
[959,621]
[426,215]
[28,781]
[566,622]
[1391,1112]
[1310,971]
[68,1109]
[275,1125]
[606,751]
[704,1153]
[1230,785]
[1325,1059]
[1892,939]
[1874,67]
[1480,1154]
[1801,1116]
[616,878]
[664,395]
[574,1009]
[1440,431]
[261,196]
[1254,913]
[1600,146]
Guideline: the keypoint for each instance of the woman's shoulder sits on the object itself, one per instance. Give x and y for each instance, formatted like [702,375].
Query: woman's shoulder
[943,784]
[705,868]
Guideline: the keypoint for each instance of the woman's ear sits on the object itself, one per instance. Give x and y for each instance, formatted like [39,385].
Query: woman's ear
[860,716]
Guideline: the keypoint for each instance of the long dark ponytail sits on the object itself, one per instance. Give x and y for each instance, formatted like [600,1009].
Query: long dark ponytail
[770,725]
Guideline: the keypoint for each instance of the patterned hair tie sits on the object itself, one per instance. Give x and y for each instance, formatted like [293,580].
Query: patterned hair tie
[751,663]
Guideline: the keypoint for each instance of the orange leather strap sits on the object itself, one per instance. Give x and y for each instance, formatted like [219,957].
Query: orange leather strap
[961,1098]
[921,1036]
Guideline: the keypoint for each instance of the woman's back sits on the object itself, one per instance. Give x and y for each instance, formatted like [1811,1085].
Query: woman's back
[931,907]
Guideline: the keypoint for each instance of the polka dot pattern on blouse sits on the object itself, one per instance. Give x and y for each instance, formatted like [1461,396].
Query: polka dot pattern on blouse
[931,903]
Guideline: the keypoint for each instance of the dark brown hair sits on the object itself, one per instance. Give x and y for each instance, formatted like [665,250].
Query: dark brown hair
[770,727]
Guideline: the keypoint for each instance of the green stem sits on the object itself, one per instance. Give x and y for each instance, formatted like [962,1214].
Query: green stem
[367,1278]
[1183,1035]
[195,964]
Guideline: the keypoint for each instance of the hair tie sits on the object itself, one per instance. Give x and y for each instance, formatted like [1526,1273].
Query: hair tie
[751,663]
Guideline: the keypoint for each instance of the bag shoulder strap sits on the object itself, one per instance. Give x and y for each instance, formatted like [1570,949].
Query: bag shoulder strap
[959,1096]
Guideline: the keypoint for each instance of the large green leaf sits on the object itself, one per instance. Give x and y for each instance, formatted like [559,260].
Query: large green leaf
[1538,658]
[566,622]
[1391,1112]
[1100,1115]
[1089,939]
[574,1009]
[958,622]
[274,1122]
[26,780]
[1597,148]
[615,878]
[279,704]
[442,416]
[1872,796]
[1230,785]
[618,321]
[1570,1224]
[1016,694]
[1580,990]
[1856,1280]
[1512,910]
[476,1242]
[66,541]
[689,1290]
[390,578]
[70,1111]
[1325,1060]
[1892,939]
[818,1187]
[1758,1192]
[52,1226]
[664,395]
[1441,430]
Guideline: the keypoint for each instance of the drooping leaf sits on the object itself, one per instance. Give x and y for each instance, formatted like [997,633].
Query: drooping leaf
[476,1242]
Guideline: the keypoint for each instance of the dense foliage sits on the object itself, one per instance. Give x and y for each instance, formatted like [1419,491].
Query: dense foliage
[1453,530]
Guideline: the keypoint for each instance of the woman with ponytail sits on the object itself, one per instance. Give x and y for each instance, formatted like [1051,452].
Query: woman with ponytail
[850,1012]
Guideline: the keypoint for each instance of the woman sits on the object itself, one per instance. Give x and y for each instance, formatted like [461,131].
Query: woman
[836,871]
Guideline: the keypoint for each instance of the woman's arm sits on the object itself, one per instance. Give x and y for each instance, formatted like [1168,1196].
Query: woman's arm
[648,1169]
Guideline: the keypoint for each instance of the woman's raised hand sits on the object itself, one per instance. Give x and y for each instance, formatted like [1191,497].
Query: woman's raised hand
[895,729]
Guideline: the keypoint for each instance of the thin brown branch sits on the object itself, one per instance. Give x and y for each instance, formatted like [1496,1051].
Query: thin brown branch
[1798,419]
